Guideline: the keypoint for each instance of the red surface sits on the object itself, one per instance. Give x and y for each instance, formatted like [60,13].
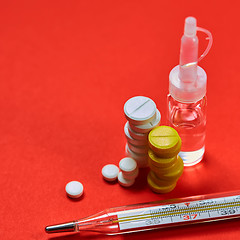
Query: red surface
[66,69]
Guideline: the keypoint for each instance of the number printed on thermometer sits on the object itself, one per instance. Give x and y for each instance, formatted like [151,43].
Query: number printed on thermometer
[205,210]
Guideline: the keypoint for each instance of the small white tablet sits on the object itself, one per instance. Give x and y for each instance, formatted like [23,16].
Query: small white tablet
[138,149]
[140,110]
[141,159]
[74,189]
[147,127]
[110,172]
[133,141]
[132,175]
[125,182]
[127,165]
[136,135]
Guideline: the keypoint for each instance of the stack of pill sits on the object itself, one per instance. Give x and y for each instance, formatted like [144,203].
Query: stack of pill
[127,174]
[142,116]
[166,166]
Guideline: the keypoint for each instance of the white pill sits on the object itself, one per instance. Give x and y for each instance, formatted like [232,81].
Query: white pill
[140,110]
[132,140]
[138,149]
[147,127]
[74,189]
[131,175]
[136,135]
[110,172]
[141,159]
[127,165]
[136,155]
[125,182]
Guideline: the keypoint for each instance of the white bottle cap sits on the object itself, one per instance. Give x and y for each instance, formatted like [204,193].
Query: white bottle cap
[187,92]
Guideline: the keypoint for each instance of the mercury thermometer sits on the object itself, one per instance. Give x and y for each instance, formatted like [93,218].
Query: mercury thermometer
[154,215]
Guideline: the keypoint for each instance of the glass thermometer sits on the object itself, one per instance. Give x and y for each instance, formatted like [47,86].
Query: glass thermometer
[154,215]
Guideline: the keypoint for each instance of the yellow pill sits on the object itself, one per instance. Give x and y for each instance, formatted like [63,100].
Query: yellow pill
[160,189]
[174,174]
[159,181]
[164,141]
[160,162]
[163,170]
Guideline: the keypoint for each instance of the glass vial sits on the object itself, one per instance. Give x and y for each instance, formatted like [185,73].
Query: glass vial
[189,119]
[187,95]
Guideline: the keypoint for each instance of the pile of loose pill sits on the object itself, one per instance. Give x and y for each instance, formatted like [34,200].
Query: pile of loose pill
[126,173]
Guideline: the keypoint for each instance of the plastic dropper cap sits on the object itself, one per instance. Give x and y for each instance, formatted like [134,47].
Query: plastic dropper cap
[187,81]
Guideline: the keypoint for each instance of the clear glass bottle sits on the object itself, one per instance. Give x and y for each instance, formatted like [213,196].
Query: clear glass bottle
[189,119]
[187,96]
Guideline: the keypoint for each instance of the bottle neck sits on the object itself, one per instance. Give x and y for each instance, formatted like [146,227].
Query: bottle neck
[188,59]
[188,73]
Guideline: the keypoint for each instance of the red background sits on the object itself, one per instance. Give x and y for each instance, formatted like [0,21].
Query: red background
[66,70]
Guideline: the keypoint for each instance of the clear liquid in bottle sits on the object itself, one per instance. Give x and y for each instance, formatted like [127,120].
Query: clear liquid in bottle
[189,119]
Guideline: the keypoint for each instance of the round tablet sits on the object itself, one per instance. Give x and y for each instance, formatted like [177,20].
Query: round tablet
[133,141]
[159,181]
[160,162]
[145,128]
[125,182]
[127,165]
[164,170]
[175,172]
[136,135]
[159,188]
[138,149]
[140,110]
[131,175]
[110,172]
[141,159]
[164,141]
[74,189]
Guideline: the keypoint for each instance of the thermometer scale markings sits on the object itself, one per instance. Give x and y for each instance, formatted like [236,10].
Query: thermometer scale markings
[213,207]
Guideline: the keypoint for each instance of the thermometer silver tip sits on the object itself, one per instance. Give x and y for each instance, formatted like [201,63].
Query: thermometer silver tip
[64,227]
